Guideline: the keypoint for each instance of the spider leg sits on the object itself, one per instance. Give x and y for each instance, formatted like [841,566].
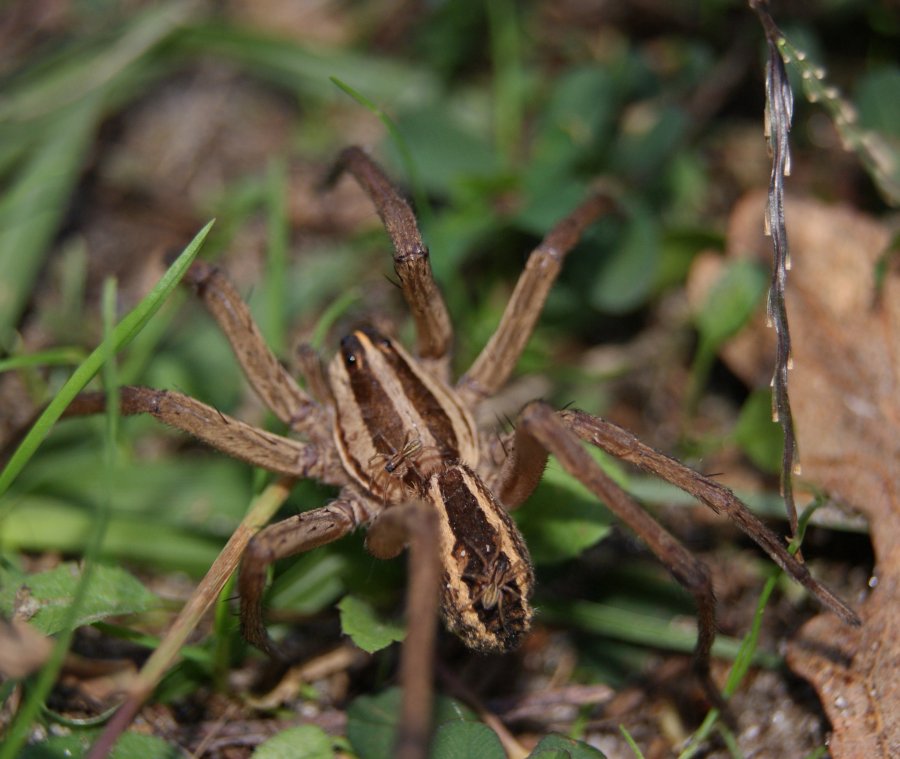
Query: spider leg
[291,536]
[624,445]
[310,367]
[433,328]
[498,358]
[542,425]
[231,436]
[415,525]
[271,381]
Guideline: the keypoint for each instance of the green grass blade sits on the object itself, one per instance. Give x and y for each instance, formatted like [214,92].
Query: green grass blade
[278,232]
[304,69]
[643,629]
[409,163]
[507,93]
[50,357]
[21,727]
[123,333]
[31,210]
[85,73]
[748,652]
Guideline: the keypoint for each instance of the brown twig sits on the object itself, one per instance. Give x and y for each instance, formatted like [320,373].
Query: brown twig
[779,110]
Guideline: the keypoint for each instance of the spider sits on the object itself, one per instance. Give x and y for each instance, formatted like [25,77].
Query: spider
[397,437]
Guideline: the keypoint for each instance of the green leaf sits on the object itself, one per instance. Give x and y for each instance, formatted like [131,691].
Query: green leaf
[464,740]
[731,301]
[312,582]
[58,747]
[446,150]
[137,746]
[878,108]
[559,525]
[555,746]
[563,517]
[130,746]
[44,523]
[645,149]
[45,597]
[372,721]
[359,621]
[304,742]
[628,275]
[758,436]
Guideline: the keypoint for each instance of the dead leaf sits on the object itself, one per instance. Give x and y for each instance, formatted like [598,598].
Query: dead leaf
[23,650]
[845,396]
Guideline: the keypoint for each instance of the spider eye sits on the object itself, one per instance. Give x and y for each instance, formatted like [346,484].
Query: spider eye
[376,337]
[351,351]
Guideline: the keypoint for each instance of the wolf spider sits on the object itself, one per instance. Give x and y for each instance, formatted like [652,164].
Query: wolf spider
[398,439]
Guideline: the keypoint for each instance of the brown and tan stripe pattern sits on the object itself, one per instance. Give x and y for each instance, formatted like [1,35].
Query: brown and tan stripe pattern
[487,574]
[394,418]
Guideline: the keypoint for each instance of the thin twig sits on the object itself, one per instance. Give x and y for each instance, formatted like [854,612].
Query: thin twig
[779,110]
[262,509]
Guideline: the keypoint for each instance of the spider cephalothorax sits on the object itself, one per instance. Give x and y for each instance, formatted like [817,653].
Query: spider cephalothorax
[397,437]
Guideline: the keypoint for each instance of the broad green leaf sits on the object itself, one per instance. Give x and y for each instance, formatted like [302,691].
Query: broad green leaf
[555,746]
[372,721]
[130,746]
[878,99]
[559,525]
[446,150]
[627,277]
[359,621]
[759,437]
[563,517]
[645,148]
[304,742]
[731,301]
[137,746]
[464,740]
[45,598]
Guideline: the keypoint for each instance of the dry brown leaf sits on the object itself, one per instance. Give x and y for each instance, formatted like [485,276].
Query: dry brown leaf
[23,650]
[845,395]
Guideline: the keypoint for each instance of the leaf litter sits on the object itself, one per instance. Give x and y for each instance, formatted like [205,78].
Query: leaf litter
[844,310]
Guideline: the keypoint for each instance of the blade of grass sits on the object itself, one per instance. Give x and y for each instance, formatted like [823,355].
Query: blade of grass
[332,313]
[51,357]
[123,333]
[507,76]
[32,208]
[82,74]
[409,163]
[261,511]
[21,727]
[632,744]
[110,378]
[277,229]
[644,629]
[305,69]
[223,634]
[747,652]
